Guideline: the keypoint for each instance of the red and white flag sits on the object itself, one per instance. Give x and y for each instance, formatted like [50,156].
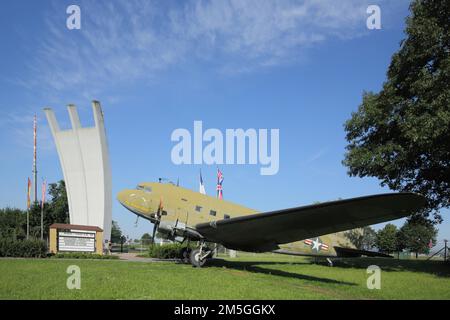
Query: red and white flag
[219,184]
[29,194]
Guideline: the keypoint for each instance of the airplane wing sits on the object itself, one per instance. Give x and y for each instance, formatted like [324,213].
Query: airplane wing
[264,231]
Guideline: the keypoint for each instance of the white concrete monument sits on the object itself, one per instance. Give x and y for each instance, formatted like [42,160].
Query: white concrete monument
[83,154]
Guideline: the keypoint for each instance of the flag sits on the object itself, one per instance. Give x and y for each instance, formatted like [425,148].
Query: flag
[219,184]
[202,186]
[29,194]
[44,187]
[430,244]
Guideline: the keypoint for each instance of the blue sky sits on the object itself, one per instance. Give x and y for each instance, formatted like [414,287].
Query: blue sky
[300,66]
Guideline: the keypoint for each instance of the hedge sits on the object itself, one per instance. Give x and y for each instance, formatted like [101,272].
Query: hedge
[82,255]
[23,248]
[166,251]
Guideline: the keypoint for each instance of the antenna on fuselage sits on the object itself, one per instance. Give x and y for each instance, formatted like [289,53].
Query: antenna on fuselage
[165,180]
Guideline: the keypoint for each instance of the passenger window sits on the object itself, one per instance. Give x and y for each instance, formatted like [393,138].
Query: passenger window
[148,189]
[212,213]
[198,208]
[226,216]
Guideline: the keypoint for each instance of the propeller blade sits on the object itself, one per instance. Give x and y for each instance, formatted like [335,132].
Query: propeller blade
[155,227]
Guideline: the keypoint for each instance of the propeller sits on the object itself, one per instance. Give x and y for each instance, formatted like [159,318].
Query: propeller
[157,220]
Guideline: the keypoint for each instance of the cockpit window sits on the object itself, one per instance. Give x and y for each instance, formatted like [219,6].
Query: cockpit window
[144,188]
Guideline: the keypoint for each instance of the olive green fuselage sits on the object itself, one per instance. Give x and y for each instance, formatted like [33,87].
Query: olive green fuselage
[183,206]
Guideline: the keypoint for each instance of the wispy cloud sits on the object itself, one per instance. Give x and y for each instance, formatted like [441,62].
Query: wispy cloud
[20,127]
[134,40]
[316,156]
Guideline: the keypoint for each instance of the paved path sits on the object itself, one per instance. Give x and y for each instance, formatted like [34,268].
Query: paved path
[133,256]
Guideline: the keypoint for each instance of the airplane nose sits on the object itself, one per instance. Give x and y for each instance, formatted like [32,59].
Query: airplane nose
[123,196]
[134,201]
[126,198]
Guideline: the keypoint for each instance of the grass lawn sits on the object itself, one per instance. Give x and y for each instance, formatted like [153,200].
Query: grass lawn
[246,277]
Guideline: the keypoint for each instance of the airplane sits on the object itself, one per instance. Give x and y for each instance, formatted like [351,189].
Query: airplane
[316,230]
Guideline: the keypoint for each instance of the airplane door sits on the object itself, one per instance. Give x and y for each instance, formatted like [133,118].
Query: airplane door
[182,216]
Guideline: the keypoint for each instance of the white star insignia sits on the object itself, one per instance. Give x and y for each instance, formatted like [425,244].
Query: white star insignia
[316,244]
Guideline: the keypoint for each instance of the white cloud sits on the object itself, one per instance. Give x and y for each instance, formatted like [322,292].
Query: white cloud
[20,128]
[316,156]
[123,42]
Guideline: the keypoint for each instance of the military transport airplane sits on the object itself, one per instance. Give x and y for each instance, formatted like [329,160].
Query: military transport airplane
[313,230]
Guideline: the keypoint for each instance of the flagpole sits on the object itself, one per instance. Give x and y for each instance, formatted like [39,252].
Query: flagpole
[42,208]
[28,223]
[42,221]
[28,208]
[35,158]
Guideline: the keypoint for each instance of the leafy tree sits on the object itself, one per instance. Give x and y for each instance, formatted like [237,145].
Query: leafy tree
[58,207]
[56,210]
[116,233]
[146,239]
[401,135]
[415,235]
[362,239]
[12,224]
[386,240]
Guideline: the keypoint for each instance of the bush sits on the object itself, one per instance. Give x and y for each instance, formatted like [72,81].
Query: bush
[166,251]
[82,255]
[23,249]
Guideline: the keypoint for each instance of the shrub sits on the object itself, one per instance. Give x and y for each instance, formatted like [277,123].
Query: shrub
[82,255]
[23,248]
[166,251]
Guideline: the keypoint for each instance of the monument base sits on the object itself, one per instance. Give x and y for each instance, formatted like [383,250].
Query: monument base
[75,238]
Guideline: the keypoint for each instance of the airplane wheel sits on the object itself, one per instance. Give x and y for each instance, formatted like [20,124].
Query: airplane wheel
[195,258]
[185,255]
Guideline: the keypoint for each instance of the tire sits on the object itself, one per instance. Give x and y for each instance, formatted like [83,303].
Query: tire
[195,259]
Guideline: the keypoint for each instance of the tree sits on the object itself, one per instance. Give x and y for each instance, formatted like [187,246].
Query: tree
[12,224]
[56,210]
[386,240]
[362,239]
[415,235]
[146,239]
[401,135]
[58,206]
[116,233]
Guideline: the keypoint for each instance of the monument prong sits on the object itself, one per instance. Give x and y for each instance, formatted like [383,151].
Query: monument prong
[84,159]
[74,118]
[51,119]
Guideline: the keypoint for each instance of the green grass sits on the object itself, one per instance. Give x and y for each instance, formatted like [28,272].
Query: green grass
[247,277]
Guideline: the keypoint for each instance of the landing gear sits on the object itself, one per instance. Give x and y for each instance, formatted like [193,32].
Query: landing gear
[196,258]
[199,256]
[330,262]
[186,255]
